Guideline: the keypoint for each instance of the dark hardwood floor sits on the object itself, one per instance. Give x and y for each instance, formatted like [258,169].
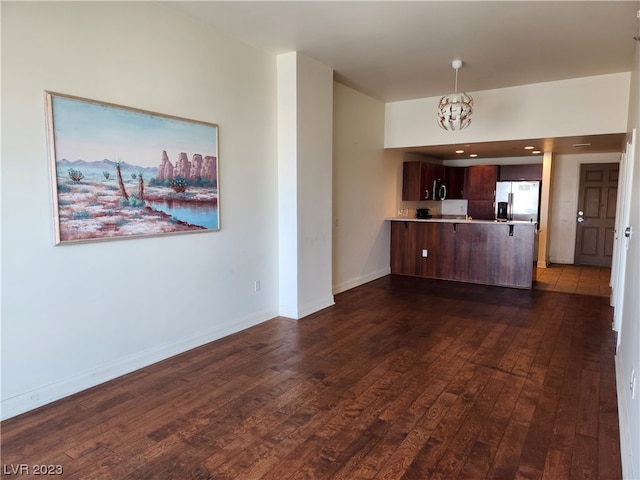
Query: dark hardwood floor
[402,378]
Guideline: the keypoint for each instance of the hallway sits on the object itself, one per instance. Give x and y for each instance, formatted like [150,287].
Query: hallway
[583,280]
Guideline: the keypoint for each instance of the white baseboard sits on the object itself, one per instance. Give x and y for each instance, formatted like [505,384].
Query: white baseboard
[24,402]
[316,306]
[561,261]
[626,452]
[298,312]
[361,280]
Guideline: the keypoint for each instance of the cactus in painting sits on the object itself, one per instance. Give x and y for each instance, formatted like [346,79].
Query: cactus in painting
[178,184]
[75,175]
[140,187]
[123,191]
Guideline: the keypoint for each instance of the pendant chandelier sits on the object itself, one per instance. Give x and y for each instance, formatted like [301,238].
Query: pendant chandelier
[455,109]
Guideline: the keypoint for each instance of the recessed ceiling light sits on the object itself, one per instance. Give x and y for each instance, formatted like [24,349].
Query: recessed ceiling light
[459,151]
[528,147]
[473,155]
[536,152]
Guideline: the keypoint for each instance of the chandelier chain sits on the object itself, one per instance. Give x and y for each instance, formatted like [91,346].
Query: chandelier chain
[456,86]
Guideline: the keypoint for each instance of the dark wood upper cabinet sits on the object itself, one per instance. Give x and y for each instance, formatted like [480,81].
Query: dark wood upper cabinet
[516,173]
[455,177]
[418,178]
[476,183]
[411,185]
[481,189]
[482,182]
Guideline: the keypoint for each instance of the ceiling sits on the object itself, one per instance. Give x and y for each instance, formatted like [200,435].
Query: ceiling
[400,50]
[521,148]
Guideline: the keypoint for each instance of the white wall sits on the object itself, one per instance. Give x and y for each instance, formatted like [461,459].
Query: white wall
[305,98]
[287,184]
[75,315]
[553,109]
[564,202]
[315,146]
[628,355]
[364,190]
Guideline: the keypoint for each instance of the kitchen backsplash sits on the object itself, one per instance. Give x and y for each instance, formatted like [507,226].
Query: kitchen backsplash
[453,207]
[443,207]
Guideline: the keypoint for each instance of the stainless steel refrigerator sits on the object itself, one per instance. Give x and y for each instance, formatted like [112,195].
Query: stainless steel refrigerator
[518,201]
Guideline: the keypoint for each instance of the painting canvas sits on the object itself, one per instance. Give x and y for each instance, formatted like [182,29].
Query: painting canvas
[119,172]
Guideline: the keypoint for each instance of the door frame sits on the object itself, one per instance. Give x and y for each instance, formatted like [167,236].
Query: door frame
[579,192]
[621,243]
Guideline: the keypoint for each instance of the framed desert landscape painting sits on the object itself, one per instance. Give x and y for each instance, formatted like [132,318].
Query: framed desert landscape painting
[119,172]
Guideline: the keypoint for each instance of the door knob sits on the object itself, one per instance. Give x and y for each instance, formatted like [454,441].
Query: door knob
[580,219]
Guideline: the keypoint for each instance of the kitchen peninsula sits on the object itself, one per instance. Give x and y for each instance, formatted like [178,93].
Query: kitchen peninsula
[476,251]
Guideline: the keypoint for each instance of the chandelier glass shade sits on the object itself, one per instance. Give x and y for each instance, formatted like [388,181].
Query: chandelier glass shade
[455,109]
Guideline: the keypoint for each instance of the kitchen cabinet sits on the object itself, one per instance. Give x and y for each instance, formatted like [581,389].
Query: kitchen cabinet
[435,173]
[482,182]
[404,240]
[409,239]
[490,254]
[456,182]
[418,178]
[481,209]
[475,252]
[516,173]
[481,189]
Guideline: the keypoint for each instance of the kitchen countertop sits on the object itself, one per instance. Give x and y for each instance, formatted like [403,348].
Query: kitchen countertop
[450,219]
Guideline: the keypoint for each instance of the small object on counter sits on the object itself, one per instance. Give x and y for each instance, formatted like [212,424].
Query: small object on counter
[423,213]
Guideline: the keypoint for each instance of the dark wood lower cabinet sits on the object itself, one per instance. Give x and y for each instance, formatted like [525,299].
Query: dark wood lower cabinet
[487,253]
[404,241]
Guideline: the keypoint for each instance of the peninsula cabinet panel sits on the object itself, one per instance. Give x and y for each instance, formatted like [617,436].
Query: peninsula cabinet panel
[487,253]
[444,255]
[403,247]
[517,266]
[495,254]
[438,241]
[410,239]
[471,254]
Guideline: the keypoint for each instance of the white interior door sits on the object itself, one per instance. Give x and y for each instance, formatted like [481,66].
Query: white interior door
[621,243]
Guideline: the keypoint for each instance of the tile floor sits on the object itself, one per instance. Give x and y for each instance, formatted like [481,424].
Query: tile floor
[583,280]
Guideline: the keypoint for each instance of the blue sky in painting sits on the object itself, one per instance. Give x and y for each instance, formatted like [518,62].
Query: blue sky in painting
[89,131]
